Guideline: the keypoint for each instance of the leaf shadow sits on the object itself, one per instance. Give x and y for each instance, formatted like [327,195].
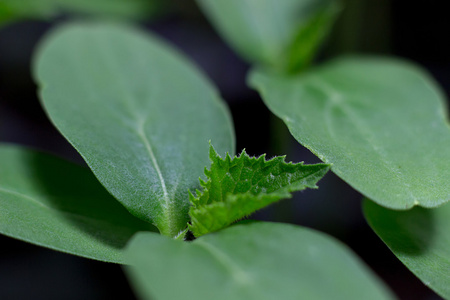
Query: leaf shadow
[417,231]
[410,232]
[83,202]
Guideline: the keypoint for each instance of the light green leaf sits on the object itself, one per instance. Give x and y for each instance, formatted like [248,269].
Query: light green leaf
[138,112]
[237,187]
[250,261]
[280,34]
[44,9]
[47,201]
[380,122]
[420,238]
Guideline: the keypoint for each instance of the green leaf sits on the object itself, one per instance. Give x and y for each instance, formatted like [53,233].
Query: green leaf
[237,187]
[45,9]
[380,122]
[279,34]
[420,238]
[250,261]
[138,112]
[47,201]
[310,36]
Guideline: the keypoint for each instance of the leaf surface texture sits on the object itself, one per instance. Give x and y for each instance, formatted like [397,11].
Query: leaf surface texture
[381,122]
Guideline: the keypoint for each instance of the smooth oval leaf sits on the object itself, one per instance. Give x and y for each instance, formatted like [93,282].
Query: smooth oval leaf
[420,238]
[280,34]
[380,122]
[250,261]
[47,201]
[137,111]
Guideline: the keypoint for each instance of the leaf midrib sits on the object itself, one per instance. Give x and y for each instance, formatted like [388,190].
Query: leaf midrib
[148,147]
[140,131]
[139,121]
[239,275]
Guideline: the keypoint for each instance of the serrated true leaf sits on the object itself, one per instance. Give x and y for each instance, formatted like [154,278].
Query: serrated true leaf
[50,202]
[137,111]
[237,187]
[256,261]
[381,122]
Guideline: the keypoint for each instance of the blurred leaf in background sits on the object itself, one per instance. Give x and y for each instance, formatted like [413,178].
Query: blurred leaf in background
[282,35]
[13,10]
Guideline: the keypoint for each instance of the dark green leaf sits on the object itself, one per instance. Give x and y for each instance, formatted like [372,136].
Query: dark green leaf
[380,122]
[56,204]
[250,261]
[44,9]
[137,111]
[280,34]
[237,187]
[420,238]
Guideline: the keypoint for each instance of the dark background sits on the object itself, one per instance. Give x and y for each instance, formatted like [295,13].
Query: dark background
[414,30]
